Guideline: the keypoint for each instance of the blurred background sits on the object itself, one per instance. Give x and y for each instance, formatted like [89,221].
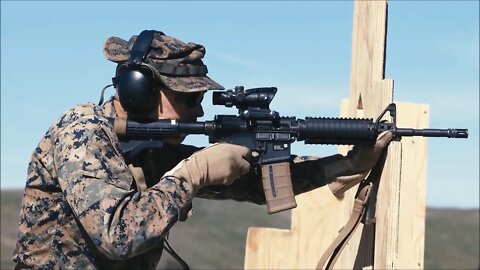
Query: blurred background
[52,59]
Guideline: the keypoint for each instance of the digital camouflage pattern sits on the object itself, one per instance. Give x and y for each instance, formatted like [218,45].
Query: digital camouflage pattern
[169,51]
[81,208]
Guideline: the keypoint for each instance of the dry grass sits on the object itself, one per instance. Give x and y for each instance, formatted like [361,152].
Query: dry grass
[214,237]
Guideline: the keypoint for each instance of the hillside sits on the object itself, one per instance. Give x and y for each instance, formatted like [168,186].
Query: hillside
[214,237]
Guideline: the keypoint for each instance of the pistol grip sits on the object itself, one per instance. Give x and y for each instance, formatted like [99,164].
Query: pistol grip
[277,184]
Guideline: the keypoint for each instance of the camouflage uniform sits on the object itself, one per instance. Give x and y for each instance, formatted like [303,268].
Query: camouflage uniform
[81,207]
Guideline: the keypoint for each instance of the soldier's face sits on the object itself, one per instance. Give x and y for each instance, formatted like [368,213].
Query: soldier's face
[180,106]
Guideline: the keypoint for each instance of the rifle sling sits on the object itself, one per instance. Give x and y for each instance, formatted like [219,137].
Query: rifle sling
[139,177]
[362,197]
[336,247]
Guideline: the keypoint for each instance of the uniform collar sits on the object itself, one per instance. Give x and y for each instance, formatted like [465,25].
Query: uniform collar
[109,109]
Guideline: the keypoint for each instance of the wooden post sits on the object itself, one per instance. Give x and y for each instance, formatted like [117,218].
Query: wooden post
[400,226]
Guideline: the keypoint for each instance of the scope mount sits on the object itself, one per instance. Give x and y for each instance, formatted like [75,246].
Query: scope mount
[252,104]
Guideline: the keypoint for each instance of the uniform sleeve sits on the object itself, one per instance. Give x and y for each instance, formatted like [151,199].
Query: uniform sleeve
[306,172]
[96,183]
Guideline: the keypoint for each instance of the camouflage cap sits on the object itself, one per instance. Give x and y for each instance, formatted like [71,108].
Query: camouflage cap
[167,54]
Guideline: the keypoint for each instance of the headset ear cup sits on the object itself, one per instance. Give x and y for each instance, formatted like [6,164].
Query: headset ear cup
[135,81]
[137,89]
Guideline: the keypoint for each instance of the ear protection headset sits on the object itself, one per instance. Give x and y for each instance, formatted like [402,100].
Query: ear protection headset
[135,81]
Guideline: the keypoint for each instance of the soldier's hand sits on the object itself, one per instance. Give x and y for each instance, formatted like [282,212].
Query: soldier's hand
[219,164]
[349,170]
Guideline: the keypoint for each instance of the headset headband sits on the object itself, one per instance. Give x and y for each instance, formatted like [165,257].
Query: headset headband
[142,46]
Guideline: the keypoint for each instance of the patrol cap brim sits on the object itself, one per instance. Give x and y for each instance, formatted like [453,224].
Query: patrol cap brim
[190,84]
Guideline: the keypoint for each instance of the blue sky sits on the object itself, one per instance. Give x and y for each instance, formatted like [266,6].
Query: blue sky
[52,59]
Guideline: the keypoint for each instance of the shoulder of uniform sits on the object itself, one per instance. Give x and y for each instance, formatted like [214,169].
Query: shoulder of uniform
[89,112]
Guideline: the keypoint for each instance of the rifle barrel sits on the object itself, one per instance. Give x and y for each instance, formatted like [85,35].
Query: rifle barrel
[449,133]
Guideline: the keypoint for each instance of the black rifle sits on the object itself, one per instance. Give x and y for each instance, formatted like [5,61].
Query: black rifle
[267,133]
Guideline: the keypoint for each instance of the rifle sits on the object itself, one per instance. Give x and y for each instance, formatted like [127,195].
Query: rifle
[270,135]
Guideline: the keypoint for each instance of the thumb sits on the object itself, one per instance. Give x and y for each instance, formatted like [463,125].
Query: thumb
[384,139]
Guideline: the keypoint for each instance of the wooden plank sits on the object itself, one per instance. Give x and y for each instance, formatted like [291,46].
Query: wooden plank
[368,54]
[411,219]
